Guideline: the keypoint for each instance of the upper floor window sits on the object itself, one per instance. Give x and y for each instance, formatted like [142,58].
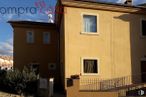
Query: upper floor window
[90,66]
[90,23]
[143,27]
[46,37]
[30,37]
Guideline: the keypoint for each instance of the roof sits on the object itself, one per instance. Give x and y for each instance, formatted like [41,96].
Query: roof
[31,23]
[99,2]
[94,4]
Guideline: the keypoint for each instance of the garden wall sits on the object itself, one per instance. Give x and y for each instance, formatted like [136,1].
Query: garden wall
[73,90]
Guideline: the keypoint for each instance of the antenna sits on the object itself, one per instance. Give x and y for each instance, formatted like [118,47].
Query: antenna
[50,16]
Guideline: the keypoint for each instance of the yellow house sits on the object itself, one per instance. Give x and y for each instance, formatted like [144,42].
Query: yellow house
[102,40]
[94,40]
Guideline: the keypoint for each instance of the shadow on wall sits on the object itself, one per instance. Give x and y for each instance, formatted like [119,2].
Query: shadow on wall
[137,44]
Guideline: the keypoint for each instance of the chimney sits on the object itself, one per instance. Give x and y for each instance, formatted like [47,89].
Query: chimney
[128,2]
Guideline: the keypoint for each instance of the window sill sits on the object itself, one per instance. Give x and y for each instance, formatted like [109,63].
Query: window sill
[90,33]
[90,74]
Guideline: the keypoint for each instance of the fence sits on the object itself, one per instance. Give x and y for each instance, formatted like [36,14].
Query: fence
[74,91]
[109,84]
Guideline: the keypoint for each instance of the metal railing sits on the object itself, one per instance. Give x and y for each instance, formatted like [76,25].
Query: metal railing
[96,84]
[100,85]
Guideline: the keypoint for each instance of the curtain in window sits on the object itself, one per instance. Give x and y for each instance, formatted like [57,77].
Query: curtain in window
[90,66]
[90,23]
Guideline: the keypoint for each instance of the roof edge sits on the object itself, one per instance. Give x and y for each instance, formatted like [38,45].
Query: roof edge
[104,6]
[31,23]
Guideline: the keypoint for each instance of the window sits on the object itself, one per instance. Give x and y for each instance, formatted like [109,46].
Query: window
[90,66]
[30,37]
[46,38]
[34,67]
[90,23]
[143,27]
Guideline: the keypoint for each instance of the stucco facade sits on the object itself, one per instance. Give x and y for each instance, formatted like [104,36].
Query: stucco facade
[26,54]
[117,45]
[111,45]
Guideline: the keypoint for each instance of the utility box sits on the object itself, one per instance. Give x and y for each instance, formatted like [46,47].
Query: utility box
[43,87]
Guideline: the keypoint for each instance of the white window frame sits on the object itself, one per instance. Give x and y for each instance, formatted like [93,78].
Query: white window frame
[49,41]
[82,23]
[82,65]
[141,35]
[27,37]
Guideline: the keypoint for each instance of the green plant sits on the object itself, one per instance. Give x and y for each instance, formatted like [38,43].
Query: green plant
[28,75]
[13,80]
[20,81]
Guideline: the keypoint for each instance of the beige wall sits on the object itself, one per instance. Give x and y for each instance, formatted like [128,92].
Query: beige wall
[118,46]
[73,91]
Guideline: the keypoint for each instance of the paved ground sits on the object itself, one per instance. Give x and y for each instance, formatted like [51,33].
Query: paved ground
[3,94]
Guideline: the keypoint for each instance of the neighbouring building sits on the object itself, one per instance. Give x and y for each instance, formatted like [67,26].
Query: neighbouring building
[94,40]
[36,46]
[6,62]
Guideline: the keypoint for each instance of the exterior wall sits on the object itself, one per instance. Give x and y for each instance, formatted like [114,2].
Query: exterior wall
[118,46]
[73,91]
[37,52]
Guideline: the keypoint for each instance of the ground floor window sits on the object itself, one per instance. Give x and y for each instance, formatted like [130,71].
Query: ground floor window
[90,66]
[34,67]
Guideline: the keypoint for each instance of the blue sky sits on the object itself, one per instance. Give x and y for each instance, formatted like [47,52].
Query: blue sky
[6,31]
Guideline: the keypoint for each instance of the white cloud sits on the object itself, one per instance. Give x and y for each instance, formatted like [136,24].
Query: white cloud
[121,1]
[6,48]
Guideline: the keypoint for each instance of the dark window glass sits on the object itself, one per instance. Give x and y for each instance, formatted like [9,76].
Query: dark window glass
[90,66]
[143,27]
